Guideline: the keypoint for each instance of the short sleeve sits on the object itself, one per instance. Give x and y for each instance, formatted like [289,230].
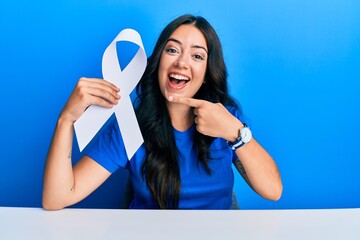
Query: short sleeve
[107,148]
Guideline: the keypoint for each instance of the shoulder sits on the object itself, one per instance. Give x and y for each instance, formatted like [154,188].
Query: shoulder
[107,147]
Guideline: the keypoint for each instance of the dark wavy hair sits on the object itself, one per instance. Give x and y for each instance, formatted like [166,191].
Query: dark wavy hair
[161,168]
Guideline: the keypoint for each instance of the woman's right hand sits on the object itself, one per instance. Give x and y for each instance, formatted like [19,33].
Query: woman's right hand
[89,91]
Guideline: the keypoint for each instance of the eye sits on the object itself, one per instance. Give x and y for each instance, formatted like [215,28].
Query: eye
[171,50]
[198,56]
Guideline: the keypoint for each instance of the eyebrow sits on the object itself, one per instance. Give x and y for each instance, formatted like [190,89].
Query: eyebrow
[193,46]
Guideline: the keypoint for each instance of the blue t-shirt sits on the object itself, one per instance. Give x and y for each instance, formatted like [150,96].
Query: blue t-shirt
[199,190]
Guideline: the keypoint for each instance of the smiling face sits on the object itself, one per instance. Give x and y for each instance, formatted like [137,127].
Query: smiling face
[183,62]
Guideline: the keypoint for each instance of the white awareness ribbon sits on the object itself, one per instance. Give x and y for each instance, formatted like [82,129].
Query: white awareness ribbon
[126,79]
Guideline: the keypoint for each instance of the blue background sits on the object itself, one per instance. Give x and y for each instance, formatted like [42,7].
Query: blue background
[293,65]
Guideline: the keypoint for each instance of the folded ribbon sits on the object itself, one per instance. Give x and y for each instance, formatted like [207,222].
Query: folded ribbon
[125,78]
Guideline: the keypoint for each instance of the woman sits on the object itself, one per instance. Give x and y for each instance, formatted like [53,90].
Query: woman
[191,127]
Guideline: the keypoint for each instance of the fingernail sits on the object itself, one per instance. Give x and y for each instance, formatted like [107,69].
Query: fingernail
[171,98]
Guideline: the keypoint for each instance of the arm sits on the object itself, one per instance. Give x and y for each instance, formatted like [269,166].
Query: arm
[240,168]
[258,168]
[64,184]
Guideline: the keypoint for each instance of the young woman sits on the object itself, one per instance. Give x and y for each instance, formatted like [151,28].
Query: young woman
[193,132]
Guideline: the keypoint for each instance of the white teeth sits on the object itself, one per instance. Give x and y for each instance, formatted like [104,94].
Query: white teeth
[179,77]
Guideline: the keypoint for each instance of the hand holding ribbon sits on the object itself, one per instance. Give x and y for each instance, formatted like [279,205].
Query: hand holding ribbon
[124,78]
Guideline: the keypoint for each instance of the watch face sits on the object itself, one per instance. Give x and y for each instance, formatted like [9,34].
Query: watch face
[245,134]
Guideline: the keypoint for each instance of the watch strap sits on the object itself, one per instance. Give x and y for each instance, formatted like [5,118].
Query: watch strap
[238,142]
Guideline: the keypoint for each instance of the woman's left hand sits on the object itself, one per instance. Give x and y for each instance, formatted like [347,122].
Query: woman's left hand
[212,119]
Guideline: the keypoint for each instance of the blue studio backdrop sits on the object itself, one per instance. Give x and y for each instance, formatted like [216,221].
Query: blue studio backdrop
[293,65]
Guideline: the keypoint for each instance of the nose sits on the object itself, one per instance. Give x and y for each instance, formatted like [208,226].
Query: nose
[182,62]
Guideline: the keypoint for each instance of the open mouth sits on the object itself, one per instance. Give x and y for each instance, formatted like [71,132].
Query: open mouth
[178,81]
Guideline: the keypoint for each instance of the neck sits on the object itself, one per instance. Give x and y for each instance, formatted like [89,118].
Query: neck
[182,116]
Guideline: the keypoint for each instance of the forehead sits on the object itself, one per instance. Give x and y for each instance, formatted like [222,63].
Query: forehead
[188,34]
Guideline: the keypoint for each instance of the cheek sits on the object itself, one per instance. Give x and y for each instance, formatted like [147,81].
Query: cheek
[200,73]
[163,65]
[161,71]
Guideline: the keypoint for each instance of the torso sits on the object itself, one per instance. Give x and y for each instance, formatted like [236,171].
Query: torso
[199,189]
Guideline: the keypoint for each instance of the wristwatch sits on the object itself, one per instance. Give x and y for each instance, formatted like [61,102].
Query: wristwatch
[245,136]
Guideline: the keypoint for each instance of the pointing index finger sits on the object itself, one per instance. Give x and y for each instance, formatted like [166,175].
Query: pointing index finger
[187,101]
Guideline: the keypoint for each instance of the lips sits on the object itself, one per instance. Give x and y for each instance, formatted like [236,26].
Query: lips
[178,81]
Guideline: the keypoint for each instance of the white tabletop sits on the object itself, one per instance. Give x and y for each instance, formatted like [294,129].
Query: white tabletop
[36,223]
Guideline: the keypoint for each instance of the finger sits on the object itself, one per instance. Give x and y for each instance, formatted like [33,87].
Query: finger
[100,102]
[101,82]
[196,120]
[188,101]
[195,111]
[107,89]
[85,84]
[109,96]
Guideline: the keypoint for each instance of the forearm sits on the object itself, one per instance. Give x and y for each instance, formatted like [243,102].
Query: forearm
[64,184]
[261,170]
[58,175]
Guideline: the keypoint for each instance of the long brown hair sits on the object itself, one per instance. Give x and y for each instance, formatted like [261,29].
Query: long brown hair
[161,168]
